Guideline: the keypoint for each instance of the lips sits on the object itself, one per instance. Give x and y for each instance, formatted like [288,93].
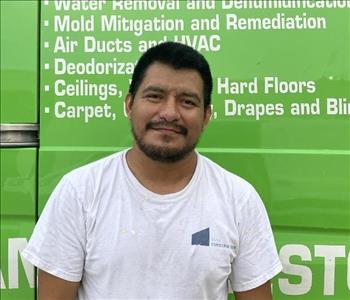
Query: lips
[166,129]
[165,126]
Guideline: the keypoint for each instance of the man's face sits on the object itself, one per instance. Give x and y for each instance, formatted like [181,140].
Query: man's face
[167,114]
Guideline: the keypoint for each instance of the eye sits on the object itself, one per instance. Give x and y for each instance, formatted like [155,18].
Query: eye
[153,97]
[189,103]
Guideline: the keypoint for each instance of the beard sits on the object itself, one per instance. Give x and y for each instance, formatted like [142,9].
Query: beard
[163,153]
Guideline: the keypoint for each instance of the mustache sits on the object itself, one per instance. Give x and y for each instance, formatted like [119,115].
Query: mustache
[171,125]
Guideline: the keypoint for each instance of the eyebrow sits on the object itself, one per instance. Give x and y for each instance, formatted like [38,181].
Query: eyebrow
[153,89]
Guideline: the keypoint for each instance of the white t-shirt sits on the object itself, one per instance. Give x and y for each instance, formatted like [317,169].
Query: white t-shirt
[122,241]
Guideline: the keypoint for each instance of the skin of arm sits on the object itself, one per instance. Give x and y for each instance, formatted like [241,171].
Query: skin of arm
[51,287]
[262,292]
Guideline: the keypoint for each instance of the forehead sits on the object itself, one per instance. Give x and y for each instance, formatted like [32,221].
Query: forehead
[170,79]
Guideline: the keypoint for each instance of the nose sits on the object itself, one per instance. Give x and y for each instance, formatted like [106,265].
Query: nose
[169,110]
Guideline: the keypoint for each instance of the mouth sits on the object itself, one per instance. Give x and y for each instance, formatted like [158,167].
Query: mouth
[167,128]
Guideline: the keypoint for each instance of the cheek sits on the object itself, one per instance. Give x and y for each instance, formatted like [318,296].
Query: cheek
[144,112]
[135,121]
[196,121]
[195,130]
[139,120]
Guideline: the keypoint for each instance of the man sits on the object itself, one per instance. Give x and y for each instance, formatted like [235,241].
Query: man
[157,221]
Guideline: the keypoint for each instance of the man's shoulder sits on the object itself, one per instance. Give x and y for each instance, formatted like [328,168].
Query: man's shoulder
[215,168]
[225,178]
[96,169]
[235,189]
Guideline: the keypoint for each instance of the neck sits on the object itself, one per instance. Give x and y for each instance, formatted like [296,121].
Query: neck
[161,177]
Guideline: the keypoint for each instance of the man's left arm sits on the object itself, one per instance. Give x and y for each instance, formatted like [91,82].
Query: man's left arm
[257,260]
[262,292]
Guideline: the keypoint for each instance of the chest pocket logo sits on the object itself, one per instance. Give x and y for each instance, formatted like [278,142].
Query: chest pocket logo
[201,237]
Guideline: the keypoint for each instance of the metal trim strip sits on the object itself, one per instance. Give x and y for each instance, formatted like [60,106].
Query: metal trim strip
[19,135]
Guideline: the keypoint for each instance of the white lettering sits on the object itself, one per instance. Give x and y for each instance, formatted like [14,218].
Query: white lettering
[338,106]
[2,282]
[65,45]
[200,42]
[15,247]
[225,86]
[65,23]
[256,110]
[85,112]
[329,252]
[289,268]
[277,86]
[79,4]
[348,271]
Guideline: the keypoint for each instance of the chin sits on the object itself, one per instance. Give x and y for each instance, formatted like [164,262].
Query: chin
[162,153]
[164,148]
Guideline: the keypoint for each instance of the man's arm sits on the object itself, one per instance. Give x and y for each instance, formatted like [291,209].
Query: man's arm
[262,292]
[53,288]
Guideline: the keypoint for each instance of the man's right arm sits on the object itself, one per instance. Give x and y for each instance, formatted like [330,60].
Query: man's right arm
[51,287]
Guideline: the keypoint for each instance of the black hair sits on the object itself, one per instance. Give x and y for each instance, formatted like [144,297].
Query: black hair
[178,56]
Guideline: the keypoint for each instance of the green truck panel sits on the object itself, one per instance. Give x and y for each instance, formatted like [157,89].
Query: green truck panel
[18,216]
[19,61]
[281,120]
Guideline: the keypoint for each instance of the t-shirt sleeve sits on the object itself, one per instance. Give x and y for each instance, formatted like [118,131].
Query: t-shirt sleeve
[58,240]
[257,260]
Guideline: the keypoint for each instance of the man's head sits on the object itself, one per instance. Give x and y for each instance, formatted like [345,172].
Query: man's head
[169,101]
[178,56]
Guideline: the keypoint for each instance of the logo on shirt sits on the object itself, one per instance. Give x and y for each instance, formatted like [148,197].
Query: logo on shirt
[202,238]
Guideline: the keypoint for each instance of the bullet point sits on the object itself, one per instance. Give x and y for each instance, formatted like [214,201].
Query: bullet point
[47,66]
[47,88]
[46,45]
[46,2]
[47,110]
[46,23]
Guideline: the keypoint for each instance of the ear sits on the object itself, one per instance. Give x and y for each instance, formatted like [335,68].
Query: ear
[128,104]
[207,116]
